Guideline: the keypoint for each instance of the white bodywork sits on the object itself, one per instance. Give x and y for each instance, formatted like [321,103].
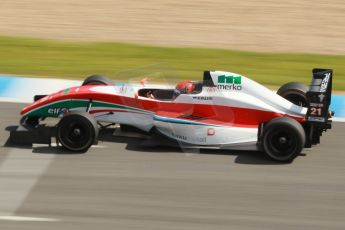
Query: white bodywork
[250,95]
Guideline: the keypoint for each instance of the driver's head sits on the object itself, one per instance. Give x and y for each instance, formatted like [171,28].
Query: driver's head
[186,87]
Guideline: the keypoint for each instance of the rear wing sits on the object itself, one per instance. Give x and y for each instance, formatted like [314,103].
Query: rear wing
[319,98]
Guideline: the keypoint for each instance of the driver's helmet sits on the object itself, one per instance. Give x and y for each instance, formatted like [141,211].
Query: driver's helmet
[186,87]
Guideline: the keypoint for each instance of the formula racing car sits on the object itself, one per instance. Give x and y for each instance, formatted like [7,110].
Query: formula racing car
[224,111]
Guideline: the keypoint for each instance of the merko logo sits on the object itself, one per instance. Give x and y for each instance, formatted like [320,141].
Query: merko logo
[229,82]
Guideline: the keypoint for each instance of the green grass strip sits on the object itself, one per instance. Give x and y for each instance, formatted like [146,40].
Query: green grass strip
[127,62]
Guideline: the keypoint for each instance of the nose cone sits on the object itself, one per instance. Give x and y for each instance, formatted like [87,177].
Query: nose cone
[37,104]
[43,102]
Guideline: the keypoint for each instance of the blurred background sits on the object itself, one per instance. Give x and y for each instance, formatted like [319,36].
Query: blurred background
[269,40]
[121,185]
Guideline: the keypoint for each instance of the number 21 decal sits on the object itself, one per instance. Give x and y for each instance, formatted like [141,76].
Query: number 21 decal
[315,111]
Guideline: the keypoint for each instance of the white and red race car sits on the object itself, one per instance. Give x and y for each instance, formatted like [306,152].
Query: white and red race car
[225,110]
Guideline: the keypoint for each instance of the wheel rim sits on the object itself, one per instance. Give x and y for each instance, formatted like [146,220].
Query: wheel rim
[75,135]
[282,143]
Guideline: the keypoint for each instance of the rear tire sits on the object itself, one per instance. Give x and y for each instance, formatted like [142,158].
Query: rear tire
[283,139]
[77,131]
[97,80]
[294,92]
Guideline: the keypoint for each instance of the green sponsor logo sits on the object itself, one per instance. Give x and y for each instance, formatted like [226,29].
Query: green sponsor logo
[66,91]
[229,82]
[223,79]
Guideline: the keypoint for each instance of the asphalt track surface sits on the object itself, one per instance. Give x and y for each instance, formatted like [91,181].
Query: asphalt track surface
[121,185]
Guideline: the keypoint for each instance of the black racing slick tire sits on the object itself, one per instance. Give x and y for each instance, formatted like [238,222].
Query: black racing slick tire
[283,139]
[77,131]
[97,80]
[294,92]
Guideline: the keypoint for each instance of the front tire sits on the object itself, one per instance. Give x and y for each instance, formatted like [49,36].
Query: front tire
[77,131]
[283,139]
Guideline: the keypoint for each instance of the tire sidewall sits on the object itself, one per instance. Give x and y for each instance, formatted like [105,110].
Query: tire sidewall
[296,133]
[295,89]
[295,93]
[97,80]
[83,122]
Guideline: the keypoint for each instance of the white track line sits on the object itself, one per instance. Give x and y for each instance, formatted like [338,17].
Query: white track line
[53,144]
[26,218]
[19,173]
[338,119]
[13,100]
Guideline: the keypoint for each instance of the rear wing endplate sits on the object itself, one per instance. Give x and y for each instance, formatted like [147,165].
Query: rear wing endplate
[319,97]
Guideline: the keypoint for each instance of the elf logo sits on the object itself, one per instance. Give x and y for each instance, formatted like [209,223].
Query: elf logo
[229,82]
[57,111]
